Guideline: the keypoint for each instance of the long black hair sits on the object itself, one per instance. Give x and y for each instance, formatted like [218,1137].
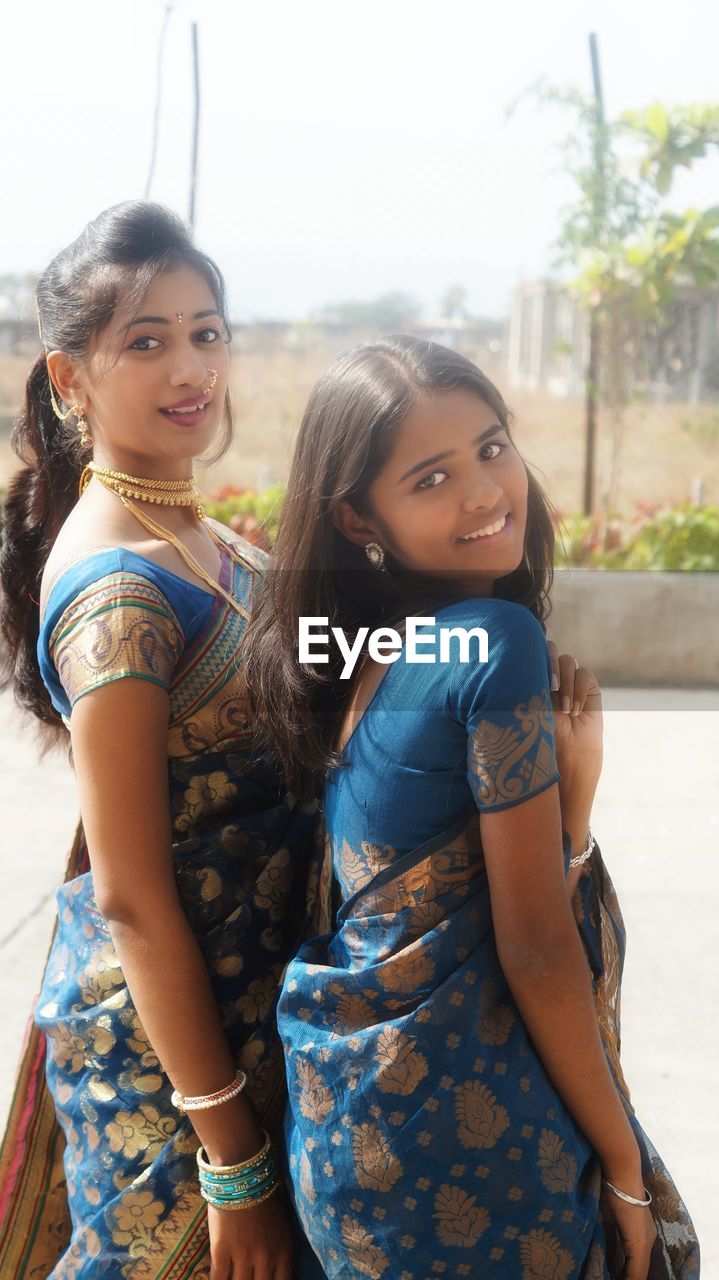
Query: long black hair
[115,259]
[345,438]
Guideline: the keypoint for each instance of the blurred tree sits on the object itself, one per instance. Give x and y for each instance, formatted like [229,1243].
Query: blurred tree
[389,313]
[627,250]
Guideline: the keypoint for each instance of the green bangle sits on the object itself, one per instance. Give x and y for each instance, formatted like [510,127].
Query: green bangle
[233,1206]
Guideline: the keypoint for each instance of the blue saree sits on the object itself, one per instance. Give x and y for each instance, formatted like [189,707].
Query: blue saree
[424,1138]
[97,1173]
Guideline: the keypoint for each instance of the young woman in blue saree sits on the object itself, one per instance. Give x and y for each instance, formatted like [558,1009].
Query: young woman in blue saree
[456,1101]
[123,615]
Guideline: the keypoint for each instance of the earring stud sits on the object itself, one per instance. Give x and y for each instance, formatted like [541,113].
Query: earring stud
[375,554]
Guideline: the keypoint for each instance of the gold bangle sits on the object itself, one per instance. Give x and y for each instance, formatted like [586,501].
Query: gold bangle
[229,1169]
[203,1101]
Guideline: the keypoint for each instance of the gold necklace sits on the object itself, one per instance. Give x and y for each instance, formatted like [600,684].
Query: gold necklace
[165,493]
[169,493]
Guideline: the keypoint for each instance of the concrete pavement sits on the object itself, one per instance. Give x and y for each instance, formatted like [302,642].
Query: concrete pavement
[657,820]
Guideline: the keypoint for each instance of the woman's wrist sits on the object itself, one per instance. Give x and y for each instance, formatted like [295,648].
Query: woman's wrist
[625,1174]
[229,1133]
[620,1156]
[577,786]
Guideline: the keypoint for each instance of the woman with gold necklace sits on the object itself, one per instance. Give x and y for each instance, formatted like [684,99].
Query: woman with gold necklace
[144,1149]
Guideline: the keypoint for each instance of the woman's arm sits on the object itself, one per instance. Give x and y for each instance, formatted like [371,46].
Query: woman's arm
[544,962]
[119,740]
[545,966]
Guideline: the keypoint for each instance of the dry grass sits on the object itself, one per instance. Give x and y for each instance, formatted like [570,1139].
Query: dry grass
[660,461]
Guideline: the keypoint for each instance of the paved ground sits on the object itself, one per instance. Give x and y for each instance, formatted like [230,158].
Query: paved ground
[657,820]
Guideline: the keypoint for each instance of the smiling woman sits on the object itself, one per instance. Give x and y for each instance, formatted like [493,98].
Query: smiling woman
[457,1103]
[184,889]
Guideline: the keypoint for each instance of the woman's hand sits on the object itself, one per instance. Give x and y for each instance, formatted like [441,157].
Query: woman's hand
[636,1233]
[578,723]
[251,1244]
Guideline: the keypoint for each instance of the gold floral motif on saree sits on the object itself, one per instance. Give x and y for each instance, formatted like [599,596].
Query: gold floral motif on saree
[376,1166]
[558,1167]
[542,1256]
[460,1221]
[400,1068]
[315,1100]
[481,1120]
[504,760]
[361,1249]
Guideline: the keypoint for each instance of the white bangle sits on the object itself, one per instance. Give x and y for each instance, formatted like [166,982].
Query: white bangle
[203,1101]
[582,857]
[641,1204]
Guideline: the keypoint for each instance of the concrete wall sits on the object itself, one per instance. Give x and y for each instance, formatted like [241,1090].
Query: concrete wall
[648,628]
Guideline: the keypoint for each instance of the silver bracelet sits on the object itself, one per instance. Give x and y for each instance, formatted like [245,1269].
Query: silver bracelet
[582,857]
[641,1204]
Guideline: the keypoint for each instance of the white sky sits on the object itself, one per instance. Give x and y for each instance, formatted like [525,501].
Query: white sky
[347,149]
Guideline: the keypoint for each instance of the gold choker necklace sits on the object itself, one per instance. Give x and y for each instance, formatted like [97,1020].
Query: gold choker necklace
[165,493]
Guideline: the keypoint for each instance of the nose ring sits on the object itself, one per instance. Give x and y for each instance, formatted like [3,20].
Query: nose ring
[212,376]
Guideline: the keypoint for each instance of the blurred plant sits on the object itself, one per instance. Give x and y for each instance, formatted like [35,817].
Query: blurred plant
[627,251]
[684,537]
[253,515]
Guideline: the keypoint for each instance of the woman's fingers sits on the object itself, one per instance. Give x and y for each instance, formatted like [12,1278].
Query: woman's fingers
[585,683]
[554,660]
[567,671]
[578,689]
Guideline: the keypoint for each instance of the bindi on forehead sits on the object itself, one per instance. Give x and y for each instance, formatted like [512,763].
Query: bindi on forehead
[179,316]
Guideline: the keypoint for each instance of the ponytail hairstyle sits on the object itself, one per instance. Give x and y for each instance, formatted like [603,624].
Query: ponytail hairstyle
[346,436]
[113,262]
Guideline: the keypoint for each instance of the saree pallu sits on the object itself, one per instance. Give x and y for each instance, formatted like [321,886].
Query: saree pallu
[97,1174]
[424,1137]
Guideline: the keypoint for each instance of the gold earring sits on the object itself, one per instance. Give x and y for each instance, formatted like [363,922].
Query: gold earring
[58,411]
[83,427]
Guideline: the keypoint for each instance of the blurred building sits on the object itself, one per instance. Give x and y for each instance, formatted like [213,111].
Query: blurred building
[548,345]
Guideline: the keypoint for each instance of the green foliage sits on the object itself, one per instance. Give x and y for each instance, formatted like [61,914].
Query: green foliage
[672,137]
[684,537]
[254,515]
[627,251]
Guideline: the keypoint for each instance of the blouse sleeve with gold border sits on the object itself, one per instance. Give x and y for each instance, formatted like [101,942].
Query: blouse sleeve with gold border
[120,625]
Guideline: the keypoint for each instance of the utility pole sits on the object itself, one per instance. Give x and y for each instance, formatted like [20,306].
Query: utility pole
[195,123]
[169,6]
[599,217]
